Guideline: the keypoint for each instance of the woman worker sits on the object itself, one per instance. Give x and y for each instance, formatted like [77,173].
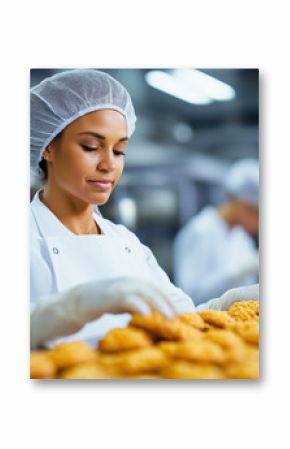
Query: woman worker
[86,272]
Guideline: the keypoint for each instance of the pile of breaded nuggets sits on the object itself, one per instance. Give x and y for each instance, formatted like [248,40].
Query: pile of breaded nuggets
[205,345]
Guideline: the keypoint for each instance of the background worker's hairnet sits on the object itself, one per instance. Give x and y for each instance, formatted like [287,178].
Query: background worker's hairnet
[242,181]
[62,98]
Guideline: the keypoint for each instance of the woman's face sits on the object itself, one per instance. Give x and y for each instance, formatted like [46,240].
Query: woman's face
[87,160]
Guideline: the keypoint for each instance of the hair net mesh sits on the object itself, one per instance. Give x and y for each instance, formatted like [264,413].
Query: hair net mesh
[242,181]
[62,98]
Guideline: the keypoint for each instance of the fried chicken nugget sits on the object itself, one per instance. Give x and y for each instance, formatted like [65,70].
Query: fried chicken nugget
[165,329]
[248,369]
[168,347]
[224,337]
[200,351]
[232,343]
[141,375]
[41,365]
[88,371]
[142,360]
[217,318]
[245,310]
[124,339]
[186,370]
[193,319]
[72,353]
[248,330]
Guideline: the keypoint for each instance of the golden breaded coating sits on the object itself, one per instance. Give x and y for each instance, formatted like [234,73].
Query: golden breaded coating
[124,339]
[41,365]
[72,353]
[242,370]
[193,319]
[200,351]
[108,360]
[144,376]
[88,371]
[245,310]
[142,360]
[186,370]
[168,347]
[226,338]
[165,329]
[217,318]
[138,375]
[248,330]
[252,353]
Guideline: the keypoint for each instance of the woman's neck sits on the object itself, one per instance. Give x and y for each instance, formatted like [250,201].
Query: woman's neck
[73,213]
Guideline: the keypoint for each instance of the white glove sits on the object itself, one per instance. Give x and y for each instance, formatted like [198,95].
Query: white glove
[249,292]
[67,312]
[242,267]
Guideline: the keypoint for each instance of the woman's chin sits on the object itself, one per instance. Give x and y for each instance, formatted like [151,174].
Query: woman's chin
[99,199]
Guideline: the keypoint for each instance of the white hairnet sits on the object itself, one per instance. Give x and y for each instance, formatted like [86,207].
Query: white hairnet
[62,98]
[242,181]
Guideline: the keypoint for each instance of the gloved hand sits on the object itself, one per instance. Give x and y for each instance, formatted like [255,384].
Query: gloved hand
[242,267]
[67,312]
[249,292]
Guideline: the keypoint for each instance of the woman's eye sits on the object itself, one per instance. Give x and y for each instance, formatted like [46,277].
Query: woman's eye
[119,153]
[87,148]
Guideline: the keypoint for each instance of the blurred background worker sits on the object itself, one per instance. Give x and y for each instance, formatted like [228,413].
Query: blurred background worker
[216,249]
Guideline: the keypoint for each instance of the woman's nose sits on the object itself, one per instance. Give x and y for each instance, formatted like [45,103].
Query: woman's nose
[107,160]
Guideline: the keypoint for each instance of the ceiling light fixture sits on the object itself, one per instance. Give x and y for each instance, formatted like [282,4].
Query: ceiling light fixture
[170,84]
[205,84]
[190,85]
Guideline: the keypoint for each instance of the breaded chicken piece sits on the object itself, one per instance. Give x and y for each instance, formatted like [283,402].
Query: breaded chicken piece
[186,370]
[243,370]
[248,330]
[165,329]
[217,318]
[245,310]
[124,339]
[41,365]
[226,338]
[200,351]
[88,371]
[142,360]
[168,347]
[193,319]
[72,353]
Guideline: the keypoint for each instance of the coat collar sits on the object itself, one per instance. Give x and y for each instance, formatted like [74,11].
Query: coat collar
[50,226]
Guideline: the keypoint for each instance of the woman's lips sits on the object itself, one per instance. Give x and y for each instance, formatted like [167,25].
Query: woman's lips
[101,186]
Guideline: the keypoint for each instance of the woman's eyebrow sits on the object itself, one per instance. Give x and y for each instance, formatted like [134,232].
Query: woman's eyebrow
[99,136]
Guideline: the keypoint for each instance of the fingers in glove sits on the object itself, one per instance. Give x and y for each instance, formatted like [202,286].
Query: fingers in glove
[135,304]
[145,303]
[156,300]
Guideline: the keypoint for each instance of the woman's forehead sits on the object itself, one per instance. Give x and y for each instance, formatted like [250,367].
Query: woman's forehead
[105,120]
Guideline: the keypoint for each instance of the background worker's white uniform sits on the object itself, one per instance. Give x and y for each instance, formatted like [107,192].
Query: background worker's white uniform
[60,260]
[210,257]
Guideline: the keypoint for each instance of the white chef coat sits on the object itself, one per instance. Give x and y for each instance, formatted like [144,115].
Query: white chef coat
[61,259]
[203,249]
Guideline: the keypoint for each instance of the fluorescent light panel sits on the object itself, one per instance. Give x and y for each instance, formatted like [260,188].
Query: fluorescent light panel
[190,85]
[172,86]
[205,84]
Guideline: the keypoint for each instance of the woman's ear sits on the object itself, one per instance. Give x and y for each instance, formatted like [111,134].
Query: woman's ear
[47,154]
